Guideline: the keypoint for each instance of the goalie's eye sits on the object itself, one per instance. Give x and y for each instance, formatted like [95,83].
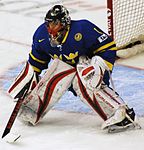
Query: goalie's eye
[54,22]
[54,28]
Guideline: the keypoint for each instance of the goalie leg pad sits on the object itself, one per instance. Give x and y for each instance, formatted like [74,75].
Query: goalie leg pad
[104,101]
[27,115]
[48,91]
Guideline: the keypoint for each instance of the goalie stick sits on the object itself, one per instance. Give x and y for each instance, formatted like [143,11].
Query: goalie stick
[16,109]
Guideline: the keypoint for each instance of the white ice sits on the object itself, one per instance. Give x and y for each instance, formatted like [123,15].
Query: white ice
[59,130]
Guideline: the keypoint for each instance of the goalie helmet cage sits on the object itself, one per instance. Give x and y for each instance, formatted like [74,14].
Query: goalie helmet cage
[125,21]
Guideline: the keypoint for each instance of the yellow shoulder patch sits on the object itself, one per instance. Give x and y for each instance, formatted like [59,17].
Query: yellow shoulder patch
[78,36]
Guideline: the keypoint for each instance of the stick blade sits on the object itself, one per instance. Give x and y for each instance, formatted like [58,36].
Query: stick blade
[6,131]
[11,137]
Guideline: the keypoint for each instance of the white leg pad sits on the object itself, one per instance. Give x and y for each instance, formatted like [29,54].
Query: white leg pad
[104,101]
[48,91]
[118,116]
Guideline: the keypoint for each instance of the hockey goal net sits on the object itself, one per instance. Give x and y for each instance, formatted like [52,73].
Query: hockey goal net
[126,25]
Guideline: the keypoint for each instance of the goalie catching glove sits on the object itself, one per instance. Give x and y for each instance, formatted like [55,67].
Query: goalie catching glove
[91,71]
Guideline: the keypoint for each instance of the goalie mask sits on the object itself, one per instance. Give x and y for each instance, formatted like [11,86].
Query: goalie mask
[57,20]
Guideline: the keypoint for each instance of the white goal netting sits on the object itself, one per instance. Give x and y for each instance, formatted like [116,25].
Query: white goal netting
[126,22]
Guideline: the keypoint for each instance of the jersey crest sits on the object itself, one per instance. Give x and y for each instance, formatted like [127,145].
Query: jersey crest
[78,36]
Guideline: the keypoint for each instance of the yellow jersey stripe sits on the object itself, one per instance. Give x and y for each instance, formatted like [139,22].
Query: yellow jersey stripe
[113,48]
[65,36]
[36,69]
[104,46]
[38,60]
[110,65]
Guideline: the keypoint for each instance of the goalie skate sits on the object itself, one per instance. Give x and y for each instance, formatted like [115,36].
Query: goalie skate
[116,129]
[128,123]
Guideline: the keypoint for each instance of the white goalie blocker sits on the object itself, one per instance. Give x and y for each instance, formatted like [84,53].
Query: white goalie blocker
[47,92]
[90,87]
[26,80]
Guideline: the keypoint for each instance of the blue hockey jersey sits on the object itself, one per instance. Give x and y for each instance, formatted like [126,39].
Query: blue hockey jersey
[82,38]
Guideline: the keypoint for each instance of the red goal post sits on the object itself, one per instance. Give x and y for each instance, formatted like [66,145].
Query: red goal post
[126,25]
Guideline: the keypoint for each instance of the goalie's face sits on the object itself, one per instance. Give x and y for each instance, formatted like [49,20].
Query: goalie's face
[56,31]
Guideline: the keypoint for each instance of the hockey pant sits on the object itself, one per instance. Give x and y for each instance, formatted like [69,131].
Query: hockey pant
[55,83]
